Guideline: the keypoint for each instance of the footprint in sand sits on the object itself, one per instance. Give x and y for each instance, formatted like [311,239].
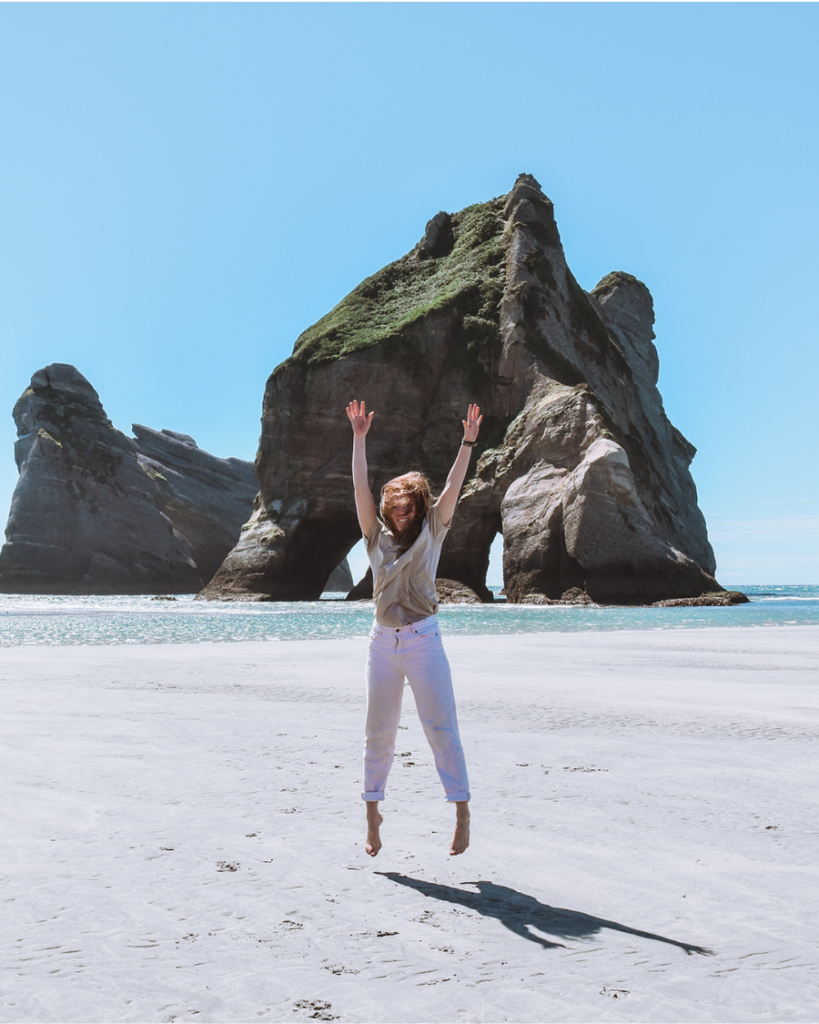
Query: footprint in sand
[614,993]
[320,1009]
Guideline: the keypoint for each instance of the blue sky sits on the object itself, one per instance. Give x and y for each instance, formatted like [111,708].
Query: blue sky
[186,187]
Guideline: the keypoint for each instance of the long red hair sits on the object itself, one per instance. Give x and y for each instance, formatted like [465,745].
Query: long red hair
[414,486]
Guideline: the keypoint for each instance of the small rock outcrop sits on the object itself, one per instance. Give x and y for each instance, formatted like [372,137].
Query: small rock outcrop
[207,499]
[722,599]
[84,517]
[363,590]
[453,592]
[341,579]
[577,464]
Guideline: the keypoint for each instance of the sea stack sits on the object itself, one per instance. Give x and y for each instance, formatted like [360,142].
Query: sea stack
[84,517]
[577,464]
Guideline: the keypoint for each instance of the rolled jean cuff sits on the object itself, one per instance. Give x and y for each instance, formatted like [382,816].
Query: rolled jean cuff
[373,797]
[457,798]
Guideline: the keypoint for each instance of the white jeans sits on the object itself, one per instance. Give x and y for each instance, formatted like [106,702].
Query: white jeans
[414,652]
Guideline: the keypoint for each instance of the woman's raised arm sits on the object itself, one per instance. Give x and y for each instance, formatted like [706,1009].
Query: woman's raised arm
[364,504]
[457,475]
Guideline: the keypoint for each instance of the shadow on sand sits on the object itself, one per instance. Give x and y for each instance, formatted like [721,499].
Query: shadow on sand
[519,912]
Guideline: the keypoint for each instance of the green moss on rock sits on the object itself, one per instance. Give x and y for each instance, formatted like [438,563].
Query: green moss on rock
[469,279]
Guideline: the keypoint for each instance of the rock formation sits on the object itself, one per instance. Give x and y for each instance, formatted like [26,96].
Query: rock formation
[206,498]
[96,512]
[453,592]
[84,518]
[341,579]
[722,599]
[577,464]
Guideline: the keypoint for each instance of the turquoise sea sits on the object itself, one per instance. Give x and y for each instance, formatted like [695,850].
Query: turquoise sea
[48,620]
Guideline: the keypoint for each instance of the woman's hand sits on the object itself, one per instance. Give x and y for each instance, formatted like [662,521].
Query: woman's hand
[472,423]
[359,420]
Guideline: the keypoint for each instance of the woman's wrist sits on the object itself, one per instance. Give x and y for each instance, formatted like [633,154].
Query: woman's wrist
[468,444]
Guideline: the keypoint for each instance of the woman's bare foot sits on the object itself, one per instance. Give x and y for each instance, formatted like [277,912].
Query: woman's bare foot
[374,820]
[460,840]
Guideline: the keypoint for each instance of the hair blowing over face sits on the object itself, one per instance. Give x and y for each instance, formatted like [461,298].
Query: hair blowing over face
[414,486]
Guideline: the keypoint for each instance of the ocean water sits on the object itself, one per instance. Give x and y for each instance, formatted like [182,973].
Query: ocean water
[53,620]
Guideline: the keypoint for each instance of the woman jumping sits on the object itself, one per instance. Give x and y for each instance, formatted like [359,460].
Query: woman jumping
[404,547]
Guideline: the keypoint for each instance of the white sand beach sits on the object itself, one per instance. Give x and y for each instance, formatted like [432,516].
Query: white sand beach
[183,834]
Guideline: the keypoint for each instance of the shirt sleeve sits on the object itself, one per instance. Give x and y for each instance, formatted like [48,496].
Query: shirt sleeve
[371,540]
[437,528]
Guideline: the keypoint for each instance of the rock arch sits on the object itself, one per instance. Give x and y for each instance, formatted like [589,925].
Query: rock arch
[578,465]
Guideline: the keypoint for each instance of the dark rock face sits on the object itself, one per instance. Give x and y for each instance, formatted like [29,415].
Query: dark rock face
[84,518]
[363,590]
[438,237]
[341,579]
[578,465]
[206,498]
